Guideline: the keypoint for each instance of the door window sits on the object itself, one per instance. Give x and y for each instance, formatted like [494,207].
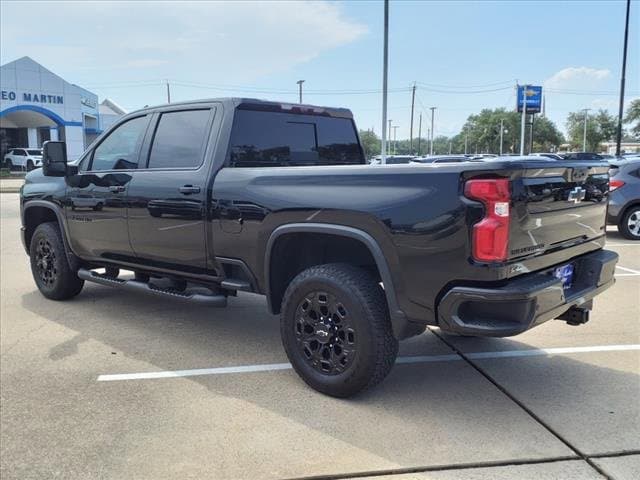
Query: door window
[119,151]
[180,139]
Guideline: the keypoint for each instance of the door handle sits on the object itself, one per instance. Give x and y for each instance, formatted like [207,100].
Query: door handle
[117,188]
[189,189]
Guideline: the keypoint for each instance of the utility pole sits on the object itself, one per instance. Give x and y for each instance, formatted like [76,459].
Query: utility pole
[449,147]
[419,132]
[168,92]
[300,82]
[432,113]
[584,136]
[622,80]
[524,118]
[395,142]
[501,134]
[385,68]
[413,100]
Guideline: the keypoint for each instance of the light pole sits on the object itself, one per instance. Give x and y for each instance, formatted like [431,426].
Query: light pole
[466,141]
[389,133]
[584,135]
[300,82]
[622,81]
[419,133]
[395,143]
[432,113]
[385,68]
[501,134]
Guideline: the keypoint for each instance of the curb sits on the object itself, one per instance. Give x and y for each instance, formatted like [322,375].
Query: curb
[10,190]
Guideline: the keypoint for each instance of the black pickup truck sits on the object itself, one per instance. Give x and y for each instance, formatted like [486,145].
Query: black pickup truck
[200,200]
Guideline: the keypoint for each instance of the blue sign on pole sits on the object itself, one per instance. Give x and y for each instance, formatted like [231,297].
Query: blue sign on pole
[533,97]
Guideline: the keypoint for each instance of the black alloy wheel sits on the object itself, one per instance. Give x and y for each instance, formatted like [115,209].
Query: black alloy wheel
[46,262]
[325,333]
[49,264]
[336,329]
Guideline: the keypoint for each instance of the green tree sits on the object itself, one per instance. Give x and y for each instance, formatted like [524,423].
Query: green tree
[482,133]
[370,142]
[633,117]
[601,127]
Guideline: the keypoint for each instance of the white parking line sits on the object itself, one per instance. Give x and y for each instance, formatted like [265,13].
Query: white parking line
[407,360]
[622,244]
[628,270]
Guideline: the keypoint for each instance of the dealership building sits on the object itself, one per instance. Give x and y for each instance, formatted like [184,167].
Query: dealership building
[37,105]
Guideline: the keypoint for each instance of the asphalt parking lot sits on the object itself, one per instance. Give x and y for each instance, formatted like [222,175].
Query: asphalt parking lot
[111,385]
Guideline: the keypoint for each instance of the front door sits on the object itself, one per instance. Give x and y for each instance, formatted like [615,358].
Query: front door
[96,208]
[167,197]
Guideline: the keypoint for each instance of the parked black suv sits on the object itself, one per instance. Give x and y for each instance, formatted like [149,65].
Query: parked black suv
[204,199]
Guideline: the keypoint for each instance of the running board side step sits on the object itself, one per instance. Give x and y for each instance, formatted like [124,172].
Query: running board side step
[149,289]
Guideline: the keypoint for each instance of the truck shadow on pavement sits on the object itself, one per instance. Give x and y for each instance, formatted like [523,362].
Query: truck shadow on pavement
[436,407]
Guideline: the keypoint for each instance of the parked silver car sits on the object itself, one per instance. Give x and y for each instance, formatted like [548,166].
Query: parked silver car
[624,197]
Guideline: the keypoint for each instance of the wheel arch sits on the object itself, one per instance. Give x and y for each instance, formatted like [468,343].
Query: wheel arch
[37,212]
[275,287]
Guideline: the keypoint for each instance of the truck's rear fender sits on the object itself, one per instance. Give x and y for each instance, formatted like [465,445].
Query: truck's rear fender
[320,243]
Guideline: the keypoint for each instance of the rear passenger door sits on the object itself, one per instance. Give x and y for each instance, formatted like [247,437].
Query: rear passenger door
[167,194]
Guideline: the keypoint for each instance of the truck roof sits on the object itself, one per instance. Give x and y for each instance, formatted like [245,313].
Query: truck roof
[258,104]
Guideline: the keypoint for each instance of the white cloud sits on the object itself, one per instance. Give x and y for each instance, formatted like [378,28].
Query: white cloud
[577,77]
[212,42]
[604,104]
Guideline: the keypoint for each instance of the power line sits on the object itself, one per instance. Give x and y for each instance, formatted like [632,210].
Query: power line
[462,87]
[456,90]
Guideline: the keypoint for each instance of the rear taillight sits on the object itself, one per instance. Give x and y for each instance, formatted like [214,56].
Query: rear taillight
[491,234]
[613,184]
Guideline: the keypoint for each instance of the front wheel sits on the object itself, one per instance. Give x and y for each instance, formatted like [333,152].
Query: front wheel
[51,271]
[30,165]
[336,329]
[629,226]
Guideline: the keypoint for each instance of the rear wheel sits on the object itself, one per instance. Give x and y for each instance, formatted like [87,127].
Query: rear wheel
[629,226]
[8,164]
[49,264]
[336,329]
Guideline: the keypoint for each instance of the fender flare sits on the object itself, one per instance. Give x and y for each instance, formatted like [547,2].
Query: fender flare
[398,318]
[72,259]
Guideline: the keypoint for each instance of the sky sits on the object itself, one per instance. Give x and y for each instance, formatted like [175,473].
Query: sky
[462,55]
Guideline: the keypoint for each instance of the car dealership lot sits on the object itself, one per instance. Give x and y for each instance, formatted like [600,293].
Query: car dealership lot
[473,408]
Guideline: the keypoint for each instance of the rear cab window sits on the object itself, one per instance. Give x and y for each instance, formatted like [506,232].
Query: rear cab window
[284,139]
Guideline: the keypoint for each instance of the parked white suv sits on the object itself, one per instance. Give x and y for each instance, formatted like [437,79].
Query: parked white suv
[24,158]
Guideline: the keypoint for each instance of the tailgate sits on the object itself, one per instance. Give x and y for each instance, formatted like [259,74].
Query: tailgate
[557,207]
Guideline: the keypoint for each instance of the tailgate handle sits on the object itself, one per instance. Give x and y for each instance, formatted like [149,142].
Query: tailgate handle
[579,174]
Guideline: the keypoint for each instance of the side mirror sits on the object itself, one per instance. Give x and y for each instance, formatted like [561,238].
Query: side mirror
[54,159]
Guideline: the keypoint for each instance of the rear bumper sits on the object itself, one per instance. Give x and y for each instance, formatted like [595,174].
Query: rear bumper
[525,301]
